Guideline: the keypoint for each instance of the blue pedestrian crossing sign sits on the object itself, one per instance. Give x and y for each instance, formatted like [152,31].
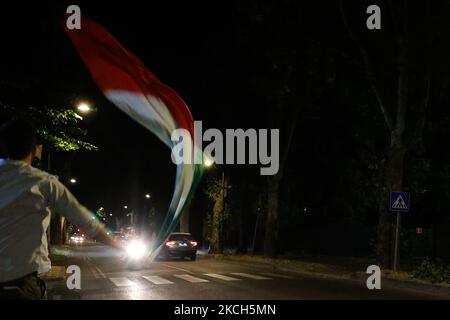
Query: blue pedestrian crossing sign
[399,201]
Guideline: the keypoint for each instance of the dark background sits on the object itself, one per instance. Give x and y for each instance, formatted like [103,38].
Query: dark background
[211,55]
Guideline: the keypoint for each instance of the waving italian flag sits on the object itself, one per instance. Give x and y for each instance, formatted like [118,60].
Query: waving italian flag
[129,85]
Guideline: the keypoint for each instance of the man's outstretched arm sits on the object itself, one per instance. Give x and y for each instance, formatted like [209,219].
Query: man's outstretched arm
[64,203]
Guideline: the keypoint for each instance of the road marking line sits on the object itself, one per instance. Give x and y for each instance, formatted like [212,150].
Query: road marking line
[250,276]
[221,277]
[94,269]
[179,269]
[94,272]
[100,272]
[190,278]
[122,282]
[270,274]
[157,280]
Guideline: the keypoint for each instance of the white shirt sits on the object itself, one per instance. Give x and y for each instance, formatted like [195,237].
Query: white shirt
[27,198]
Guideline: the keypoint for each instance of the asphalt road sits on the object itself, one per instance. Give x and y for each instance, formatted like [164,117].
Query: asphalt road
[105,276]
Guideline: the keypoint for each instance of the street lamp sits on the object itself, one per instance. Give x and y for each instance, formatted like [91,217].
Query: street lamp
[73,181]
[84,107]
[147,196]
[208,162]
[125,207]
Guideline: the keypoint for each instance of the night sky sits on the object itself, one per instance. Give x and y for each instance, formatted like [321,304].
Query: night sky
[192,49]
[196,47]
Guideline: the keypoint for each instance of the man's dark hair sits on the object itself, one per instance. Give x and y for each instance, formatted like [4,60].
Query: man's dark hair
[17,139]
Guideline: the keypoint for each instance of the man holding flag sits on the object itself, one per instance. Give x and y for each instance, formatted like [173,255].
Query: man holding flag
[28,196]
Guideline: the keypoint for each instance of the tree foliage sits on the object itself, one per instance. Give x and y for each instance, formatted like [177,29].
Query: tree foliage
[59,128]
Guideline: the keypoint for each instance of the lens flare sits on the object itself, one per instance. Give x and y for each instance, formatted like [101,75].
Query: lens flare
[136,249]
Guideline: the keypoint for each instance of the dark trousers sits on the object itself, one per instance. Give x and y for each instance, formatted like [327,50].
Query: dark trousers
[29,287]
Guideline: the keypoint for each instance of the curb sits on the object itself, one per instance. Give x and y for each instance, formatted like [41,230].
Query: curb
[386,281]
[348,276]
[56,273]
[415,285]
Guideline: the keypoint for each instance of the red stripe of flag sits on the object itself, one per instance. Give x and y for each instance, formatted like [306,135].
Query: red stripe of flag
[115,68]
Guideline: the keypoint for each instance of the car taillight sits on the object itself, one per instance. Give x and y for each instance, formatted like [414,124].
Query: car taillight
[170,243]
[194,243]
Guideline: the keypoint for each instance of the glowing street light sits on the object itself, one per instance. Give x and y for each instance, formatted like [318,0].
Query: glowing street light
[73,181]
[84,107]
[208,162]
[147,196]
[125,207]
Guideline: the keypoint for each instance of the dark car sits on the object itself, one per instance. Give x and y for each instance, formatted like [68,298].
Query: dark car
[179,245]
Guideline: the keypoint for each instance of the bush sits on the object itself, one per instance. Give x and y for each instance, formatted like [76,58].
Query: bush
[434,271]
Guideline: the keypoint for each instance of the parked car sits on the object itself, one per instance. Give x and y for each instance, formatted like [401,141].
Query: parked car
[77,238]
[179,245]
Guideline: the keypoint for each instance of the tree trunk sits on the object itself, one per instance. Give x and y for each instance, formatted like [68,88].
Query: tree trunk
[56,230]
[396,154]
[215,245]
[271,234]
[206,232]
[65,231]
[242,246]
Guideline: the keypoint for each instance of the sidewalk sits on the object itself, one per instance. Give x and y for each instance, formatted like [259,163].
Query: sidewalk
[59,256]
[339,268]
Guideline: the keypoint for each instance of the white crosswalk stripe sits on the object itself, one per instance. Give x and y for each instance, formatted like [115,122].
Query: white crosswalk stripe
[221,277]
[122,282]
[190,278]
[250,276]
[157,280]
[125,282]
[276,275]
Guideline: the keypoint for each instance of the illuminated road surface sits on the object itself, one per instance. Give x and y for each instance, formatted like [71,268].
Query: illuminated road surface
[105,276]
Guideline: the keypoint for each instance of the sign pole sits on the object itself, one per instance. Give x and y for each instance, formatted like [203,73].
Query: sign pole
[399,203]
[397,236]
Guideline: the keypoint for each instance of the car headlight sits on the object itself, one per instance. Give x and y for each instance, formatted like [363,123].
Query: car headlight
[136,249]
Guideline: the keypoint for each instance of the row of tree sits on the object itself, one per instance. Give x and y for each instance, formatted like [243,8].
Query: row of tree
[385,91]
